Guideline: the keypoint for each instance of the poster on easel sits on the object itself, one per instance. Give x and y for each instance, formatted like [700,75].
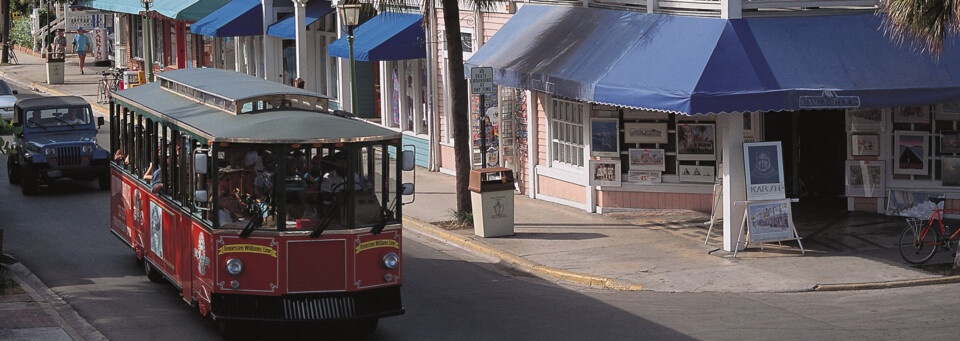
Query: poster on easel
[770,221]
[763,167]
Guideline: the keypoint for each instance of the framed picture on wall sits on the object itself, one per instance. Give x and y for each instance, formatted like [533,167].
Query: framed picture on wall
[647,159]
[864,144]
[605,173]
[696,141]
[634,114]
[865,119]
[950,170]
[910,153]
[645,132]
[911,114]
[605,137]
[750,122]
[763,168]
[643,177]
[865,179]
[702,174]
[948,111]
[949,142]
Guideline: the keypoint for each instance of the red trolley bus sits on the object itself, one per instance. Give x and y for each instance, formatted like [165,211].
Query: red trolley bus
[256,201]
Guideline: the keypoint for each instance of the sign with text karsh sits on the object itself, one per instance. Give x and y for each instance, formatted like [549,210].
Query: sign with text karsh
[763,167]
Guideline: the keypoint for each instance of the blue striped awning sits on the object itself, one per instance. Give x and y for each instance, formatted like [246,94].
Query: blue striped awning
[235,19]
[287,27]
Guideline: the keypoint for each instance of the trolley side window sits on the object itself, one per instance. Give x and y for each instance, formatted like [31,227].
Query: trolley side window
[246,185]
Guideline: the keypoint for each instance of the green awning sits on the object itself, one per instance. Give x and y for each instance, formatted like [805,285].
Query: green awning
[189,10]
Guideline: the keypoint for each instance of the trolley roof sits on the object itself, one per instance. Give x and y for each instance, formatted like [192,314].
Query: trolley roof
[282,125]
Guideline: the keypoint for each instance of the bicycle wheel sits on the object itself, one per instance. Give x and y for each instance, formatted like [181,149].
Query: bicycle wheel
[918,242]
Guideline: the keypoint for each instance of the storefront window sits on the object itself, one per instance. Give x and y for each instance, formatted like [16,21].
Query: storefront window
[566,132]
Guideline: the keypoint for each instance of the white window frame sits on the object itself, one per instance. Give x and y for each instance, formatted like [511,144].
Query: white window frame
[447,109]
[571,126]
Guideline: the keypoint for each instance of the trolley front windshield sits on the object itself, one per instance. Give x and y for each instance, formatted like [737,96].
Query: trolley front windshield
[298,186]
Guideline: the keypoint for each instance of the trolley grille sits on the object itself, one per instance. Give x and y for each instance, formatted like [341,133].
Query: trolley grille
[310,307]
[68,156]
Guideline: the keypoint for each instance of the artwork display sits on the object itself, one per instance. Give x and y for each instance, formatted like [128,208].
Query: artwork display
[763,168]
[750,122]
[911,204]
[605,173]
[864,144]
[864,119]
[950,170]
[865,179]
[770,221]
[948,111]
[911,114]
[634,114]
[605,137]
[911,153]
[949,142]
[643,177]
[645,133]
[647,159]
[696,141]
[703,174]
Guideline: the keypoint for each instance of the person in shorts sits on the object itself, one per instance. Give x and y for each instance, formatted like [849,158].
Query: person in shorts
[81,44]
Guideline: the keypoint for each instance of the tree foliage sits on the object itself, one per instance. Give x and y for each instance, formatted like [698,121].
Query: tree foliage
[925,24]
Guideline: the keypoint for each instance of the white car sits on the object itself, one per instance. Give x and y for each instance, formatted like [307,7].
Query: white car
[6,101]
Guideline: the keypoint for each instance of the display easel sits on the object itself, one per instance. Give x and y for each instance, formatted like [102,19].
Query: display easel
[717,208]
[745,227]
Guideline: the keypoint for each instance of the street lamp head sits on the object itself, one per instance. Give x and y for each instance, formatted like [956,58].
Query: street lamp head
[146,2]
[350,14]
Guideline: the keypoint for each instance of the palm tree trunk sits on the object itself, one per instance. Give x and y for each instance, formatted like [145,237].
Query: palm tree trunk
[458,102]
[4,30]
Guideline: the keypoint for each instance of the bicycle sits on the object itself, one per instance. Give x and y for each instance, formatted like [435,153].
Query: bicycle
[921,239]
[107,85]
[11,56]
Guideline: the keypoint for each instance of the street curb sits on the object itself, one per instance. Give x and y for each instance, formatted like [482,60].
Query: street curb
[66,317]
[517,262]
[888,284]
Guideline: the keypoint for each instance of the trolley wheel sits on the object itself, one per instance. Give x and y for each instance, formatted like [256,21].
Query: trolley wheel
[152,274]
[28,177]
[915,246]
[104,181]
[13,172]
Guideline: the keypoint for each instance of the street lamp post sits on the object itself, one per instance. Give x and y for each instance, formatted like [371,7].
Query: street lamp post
[350,16]
[147,42]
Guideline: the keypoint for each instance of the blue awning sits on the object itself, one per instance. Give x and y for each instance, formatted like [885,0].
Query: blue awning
[118,6]
[286,27]
[696,65]
[235,19]
[189,10]
[388,36]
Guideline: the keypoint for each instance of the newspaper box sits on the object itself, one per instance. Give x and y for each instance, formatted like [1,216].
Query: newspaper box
[491,193]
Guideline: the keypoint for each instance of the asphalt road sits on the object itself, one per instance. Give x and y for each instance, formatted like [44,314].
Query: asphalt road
[62,235]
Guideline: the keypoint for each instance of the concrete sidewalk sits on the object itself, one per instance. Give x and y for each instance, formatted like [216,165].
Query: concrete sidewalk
[649,250]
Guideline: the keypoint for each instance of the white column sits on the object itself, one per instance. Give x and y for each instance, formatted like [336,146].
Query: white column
[300,12]
[239,54]
[386,93]
[533,140]
[731,9]
[346,98]
[731,126]
[271,45]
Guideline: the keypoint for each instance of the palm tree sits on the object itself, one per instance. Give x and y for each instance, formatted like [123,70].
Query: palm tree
[923,22]
[459,100]
[4,30]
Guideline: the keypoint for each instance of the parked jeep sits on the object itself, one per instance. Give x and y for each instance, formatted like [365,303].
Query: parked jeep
[58,141]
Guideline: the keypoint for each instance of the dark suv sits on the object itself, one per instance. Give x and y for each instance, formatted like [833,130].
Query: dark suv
[59,140]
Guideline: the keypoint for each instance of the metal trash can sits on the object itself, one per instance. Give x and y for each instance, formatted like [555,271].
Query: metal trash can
[491,193]
[54,68]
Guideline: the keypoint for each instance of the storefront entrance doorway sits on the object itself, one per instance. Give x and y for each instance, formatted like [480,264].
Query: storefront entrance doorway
[814,150]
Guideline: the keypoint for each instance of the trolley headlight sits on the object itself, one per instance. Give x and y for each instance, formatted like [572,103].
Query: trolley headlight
[49,151]
[234,266]
[391,260]
[88,149]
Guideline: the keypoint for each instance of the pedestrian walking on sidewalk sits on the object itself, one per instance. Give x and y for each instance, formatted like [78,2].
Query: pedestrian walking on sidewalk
[81,44]
[59,44]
